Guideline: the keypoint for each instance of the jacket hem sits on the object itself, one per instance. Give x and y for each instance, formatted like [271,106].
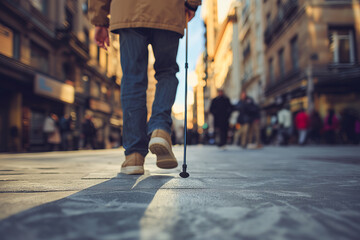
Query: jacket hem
[117,26]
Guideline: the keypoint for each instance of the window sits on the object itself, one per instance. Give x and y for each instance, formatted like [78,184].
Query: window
[85,7]
[65,71]
[280,9]
[342,46]
[69,19]
[39,57]
[281,63]
[245,11]
[246,7]
[41,5]
[271,70]
[16,46]
[10,42]
[95,89]
[85,79]
[87,38]
[294,53]
[268,20]
[248,69]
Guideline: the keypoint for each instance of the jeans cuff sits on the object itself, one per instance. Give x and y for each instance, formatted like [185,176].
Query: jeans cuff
[151,129]
[143,152]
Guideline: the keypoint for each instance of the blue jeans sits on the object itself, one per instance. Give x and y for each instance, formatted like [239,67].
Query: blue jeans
[134,62]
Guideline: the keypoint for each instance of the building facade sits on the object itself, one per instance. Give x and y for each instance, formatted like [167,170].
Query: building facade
[222,57]
[251,44]
[312,54]
[49,64]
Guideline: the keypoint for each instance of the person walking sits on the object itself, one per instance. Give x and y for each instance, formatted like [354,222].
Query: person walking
[245,118]
[52,131]
[65,131]
[316,127]
[302,124]
[221,109]
[284,125]
[254,127]
[139,23]
[89,132]
[331,125]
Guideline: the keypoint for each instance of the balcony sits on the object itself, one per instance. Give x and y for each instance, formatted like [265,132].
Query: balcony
[285,12]
[282,82]
[338,75]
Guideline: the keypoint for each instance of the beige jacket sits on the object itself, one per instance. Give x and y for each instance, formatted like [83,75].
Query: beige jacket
[159,14]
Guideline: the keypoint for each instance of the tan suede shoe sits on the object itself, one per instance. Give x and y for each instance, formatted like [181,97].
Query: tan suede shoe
[160,144]
[133,165]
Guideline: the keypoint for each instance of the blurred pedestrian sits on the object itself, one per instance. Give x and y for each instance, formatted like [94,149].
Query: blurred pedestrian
[221,109]
[273,129]
[160,23]
[245,118]
[237,134]
[52,131]
[89,133]
[316,126]
[284,125]
[347,123]
[254,131]
[65,130]
[302,125]
[331,125]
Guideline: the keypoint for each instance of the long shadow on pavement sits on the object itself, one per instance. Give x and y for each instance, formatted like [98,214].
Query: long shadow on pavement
[110,210]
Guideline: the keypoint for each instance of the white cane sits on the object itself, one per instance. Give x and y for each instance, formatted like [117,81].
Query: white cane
[184,174]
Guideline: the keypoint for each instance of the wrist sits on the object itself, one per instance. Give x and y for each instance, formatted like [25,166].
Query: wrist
[192,8]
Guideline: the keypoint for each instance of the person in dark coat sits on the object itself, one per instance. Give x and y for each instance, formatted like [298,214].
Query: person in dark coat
[248,112]
[331,125]
[221,109]
[316,126]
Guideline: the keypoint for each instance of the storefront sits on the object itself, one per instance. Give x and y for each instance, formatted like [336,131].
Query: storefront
[49,96]
[101,114]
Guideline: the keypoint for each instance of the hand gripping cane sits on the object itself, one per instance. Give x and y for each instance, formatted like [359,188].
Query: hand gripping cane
[184,174]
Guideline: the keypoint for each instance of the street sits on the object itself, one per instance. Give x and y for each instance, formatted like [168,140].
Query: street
[273,193]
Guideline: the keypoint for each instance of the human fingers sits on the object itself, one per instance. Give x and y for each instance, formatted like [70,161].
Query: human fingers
[189,14]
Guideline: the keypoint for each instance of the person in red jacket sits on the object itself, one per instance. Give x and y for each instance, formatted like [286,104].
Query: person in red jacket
[302,125]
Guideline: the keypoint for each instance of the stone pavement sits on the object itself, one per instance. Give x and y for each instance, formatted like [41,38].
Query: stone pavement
[273,193]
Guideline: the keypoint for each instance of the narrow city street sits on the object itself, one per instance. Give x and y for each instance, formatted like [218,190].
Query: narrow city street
[272,193]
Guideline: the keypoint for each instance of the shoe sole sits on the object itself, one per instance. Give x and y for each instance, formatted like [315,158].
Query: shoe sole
[132,170]
[161,148]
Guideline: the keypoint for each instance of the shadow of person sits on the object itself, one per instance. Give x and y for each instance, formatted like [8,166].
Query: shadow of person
[110,210]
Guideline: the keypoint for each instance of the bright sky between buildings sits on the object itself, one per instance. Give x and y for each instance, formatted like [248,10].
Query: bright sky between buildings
[196,47]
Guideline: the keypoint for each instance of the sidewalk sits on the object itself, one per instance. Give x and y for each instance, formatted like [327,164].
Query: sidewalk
[273,193]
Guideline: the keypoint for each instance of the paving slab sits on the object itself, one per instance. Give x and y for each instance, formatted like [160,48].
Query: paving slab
[272,193]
